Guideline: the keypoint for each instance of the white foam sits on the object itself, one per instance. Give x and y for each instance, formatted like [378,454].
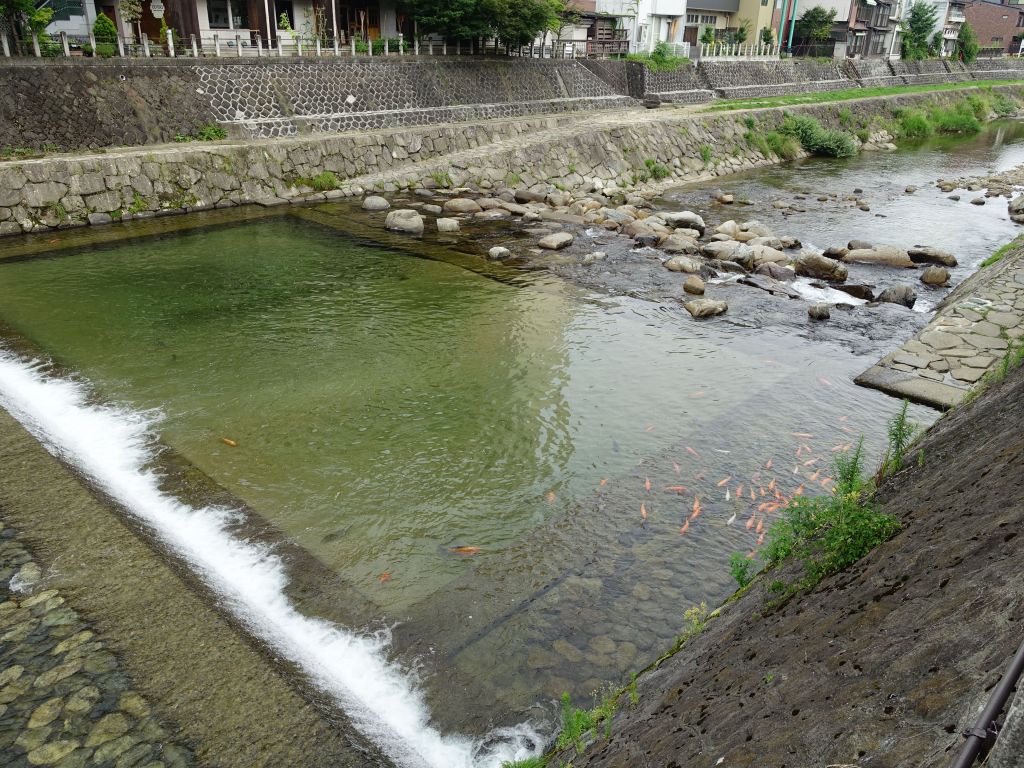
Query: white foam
[113,447]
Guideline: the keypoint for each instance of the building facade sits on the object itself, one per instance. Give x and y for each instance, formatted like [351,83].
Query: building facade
[861,28]
[998,25]
[647,22]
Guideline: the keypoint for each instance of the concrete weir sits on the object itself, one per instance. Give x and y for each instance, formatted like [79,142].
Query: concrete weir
[167,635]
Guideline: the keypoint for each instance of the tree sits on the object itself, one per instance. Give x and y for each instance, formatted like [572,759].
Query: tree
[967,44]
[767,37]
[708,36]
[917,31]
[742,32]
[103,29]
[516,22]
[131,12]
[22,17]
[816,24]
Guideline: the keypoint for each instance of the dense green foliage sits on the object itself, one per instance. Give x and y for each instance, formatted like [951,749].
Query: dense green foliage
[829,533]
[914,125]
[103,29]
[515,22]
[660,59]
[848,94]
[816,24]
[958,119]
[741,568]
[708,36]
[816,139]
[917,31]
[966,44]
[767,36]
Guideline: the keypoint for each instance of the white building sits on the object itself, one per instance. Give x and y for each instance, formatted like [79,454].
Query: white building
[951,17]
[648,21]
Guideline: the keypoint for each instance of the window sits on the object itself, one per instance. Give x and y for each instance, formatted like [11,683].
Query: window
[708,19]
[692,18]
[997,41]
[764,3]
[1020,20]
[877,44]
[227,14]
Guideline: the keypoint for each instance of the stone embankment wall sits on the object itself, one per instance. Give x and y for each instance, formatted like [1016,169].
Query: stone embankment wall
[607,149]
[708,80]
[80,103]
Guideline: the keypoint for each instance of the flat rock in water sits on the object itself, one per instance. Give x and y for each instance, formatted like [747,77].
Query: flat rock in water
[925,254]
[776,271]
[687,219]
[555,241]
[899,294]
[462,205]
[404,220]
[447,225]
[705,307]
[857,290]
[886,255]
[768,284]
[680,244]
[763,254]
[933,275]
[683,264]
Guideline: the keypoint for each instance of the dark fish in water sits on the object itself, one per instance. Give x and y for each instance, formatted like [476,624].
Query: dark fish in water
[615,445]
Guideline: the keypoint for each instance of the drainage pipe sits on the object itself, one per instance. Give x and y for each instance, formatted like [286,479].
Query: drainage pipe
[985,726]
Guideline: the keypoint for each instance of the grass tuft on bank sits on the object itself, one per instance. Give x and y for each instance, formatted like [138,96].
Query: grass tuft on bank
[850,94]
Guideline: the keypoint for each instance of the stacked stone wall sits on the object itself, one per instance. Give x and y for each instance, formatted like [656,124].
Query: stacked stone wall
[745,79]
[873,73]
[927,72]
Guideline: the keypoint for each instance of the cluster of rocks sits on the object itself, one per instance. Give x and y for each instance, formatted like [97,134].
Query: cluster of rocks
[1006,184]
[681,239]
[64,701]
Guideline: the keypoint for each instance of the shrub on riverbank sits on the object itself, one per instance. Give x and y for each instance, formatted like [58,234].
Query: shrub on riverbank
[660,59]
[914,125]
[816,139]
[958,119]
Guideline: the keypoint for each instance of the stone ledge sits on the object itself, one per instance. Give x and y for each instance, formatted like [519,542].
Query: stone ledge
[914,388]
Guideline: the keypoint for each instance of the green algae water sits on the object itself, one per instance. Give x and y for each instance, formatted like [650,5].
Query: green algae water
[385,409]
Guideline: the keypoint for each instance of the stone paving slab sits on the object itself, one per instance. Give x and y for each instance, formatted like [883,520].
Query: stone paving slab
[974,328]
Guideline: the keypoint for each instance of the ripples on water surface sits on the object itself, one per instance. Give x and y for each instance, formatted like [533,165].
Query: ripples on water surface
[387,408]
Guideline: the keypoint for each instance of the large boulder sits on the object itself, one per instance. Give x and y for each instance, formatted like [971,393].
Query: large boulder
[899,294]
[820,268]
[859,245]
[885,255]
[447,225]
[462,205]
[933,275]
[405,220]
[857,290]
[687,219]
[375,203]
[705,307]
[683,264]
[762,254]
[776,271]
[680,244]
[555,241]
[1016,209]
[925,254]
[730,250]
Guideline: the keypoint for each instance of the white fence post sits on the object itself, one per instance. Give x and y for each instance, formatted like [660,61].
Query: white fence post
[444,47]
[401,44]
[280,46]
[145,46]
[259,45]
[170,43]
[318,47]
[336,52]
[352,45]
[7,46]
[298,45]
[238,45]
[369,47]
[216,45]
[195,51]
[387,52]
[35,46]
[64,43]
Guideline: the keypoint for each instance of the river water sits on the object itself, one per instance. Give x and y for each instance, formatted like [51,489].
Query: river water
[526,481]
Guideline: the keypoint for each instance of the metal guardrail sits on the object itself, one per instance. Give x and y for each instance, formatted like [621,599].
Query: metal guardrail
[238,43]
[985,728]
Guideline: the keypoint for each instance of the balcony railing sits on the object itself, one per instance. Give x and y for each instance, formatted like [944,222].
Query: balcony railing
[950,33]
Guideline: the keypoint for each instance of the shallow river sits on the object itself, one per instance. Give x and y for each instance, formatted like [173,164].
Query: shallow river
[598,459]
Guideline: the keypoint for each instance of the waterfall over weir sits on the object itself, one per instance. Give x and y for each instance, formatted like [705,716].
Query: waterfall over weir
[113,447]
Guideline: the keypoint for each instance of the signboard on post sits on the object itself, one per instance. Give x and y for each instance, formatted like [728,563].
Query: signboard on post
[156,7]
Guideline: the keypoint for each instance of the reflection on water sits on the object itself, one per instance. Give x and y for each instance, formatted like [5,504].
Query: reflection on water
[600,458]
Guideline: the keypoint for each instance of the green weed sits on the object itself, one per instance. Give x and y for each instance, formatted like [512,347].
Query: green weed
[914,125]
[742,568]
[322,182]
[901,434]
[706,153]
[656,169]
[442,179]
[816,139]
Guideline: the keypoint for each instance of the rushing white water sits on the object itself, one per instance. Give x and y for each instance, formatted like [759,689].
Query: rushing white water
[113,447]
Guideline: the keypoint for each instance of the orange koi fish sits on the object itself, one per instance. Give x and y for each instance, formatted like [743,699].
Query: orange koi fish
[768,464]
[643,512]
[696,508]
[751,554]
[386,576]
[685,528]
[760,526]
[675,488]
[465,550]
[551,497]
[739,491]
[799,450]
[771,485]
[692,452]
[825,483]
[810,462]
[763,506]
[799,491]
[760,540]
[753,496]
[761,489]
[229,442]
[723,481]
[750,522]
[815,475]
[807,448]
[647,484]
[604,482]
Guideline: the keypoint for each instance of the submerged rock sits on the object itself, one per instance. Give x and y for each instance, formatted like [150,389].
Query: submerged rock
[769,284]
[447,225]
[497,253]
[405,220]
[899,294]
[819,312]
[776,271]
[705,307]
[593,257]
[555,241]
